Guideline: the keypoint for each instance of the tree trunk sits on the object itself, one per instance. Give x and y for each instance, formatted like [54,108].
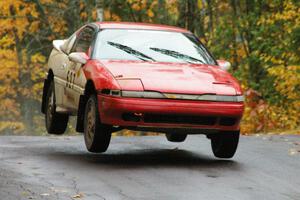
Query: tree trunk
[234,43]
[100,10]
[187,14]
[25,82]
[210,15]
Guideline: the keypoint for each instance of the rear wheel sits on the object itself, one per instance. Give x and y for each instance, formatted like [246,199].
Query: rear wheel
[96,135]
[224,144]
[176,137]
[56,123]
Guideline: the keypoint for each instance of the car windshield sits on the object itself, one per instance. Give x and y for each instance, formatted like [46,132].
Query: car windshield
[150,45]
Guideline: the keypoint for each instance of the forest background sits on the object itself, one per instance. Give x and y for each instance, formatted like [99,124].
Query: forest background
[261,38]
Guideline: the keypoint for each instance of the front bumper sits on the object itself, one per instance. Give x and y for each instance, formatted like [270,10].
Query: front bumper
[170,113]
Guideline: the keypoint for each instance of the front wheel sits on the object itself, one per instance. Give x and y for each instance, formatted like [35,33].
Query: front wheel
[56,123]
[224,144]
[96,135]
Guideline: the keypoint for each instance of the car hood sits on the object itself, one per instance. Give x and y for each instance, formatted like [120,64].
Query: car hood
[182,78]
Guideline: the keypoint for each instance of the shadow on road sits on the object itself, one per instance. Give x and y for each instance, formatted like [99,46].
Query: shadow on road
[144,158]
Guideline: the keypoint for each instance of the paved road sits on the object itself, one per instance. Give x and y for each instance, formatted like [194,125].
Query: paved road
[148,168]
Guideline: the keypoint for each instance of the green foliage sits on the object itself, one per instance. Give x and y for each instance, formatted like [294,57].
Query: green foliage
[261,38]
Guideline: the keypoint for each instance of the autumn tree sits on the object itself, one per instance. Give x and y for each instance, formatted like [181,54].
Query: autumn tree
[27,29]
[261,38]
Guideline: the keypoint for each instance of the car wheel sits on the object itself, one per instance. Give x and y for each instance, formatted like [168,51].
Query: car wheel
[176,137]
[224,145]
[96,135]
[56,123]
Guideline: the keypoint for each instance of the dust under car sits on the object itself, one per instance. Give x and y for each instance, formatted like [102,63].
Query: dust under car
[143,77]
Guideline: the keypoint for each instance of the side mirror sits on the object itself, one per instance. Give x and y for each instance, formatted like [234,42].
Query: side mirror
[57,44]
[79,57]
[224,65]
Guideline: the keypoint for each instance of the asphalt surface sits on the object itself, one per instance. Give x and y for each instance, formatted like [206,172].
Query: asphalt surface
[265,167]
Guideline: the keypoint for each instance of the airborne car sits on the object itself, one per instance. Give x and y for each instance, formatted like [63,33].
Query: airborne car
[146,77]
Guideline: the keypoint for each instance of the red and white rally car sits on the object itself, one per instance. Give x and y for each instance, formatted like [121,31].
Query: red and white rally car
[146,77]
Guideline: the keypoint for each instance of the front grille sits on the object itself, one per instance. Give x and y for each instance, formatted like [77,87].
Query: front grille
[227,121]
[180,119]
[130,117]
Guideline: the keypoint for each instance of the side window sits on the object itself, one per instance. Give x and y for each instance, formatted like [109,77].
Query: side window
[84,40]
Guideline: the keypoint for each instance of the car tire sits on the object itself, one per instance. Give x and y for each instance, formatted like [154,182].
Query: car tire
[176,137]
[56,123]
[96,135]
[224,144]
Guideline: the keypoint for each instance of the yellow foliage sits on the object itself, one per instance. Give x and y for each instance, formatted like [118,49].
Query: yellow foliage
[83,15]
[22,70]
[19,23]
[287,81]
[171,6]
[16,127]
[150,13]
[34,26]
[260,116]
[285,112]
[38,58]
[138,5]
[58,26]
[94,14]
[265,117]
[111,16]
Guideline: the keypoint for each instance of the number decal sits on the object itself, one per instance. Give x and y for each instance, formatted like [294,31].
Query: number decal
[70,79]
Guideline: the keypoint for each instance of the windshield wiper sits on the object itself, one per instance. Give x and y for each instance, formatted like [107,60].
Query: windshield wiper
[177,55]
[132,51]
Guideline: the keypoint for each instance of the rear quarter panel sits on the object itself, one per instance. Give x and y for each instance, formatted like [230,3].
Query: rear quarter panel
[55,63]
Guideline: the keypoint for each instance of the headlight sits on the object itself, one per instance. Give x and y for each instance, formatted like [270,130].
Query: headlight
[158,95]
[111,92]
[134,94]
[143,94]
[240,98]
[230,98]
[205,97]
